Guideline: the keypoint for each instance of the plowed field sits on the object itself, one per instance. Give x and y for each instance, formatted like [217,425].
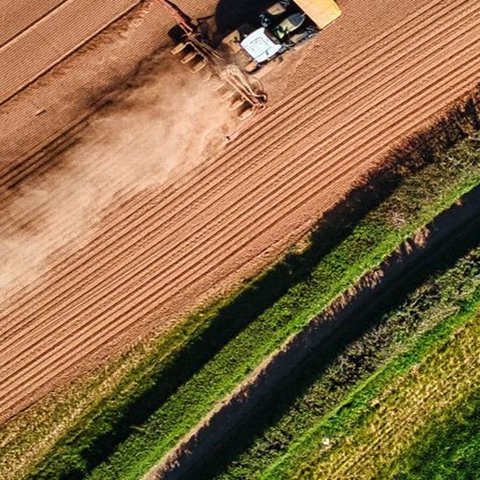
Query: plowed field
[338,105]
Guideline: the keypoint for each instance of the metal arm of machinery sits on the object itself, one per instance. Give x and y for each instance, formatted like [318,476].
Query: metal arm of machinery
[246,97]
[182,19]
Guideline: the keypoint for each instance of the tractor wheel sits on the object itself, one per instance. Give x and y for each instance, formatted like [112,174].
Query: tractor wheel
[176,33]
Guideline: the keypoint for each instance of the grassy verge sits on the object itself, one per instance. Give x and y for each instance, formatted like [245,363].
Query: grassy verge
[183,375]
[365,436]
[448,449]
[326,379]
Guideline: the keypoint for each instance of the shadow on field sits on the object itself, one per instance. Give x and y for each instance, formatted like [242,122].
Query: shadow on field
[84,450]
[230,14]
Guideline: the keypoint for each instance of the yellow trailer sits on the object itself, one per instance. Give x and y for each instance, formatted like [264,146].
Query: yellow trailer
[322,12]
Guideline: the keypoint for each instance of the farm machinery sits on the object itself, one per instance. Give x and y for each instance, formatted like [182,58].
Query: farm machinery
[234,60]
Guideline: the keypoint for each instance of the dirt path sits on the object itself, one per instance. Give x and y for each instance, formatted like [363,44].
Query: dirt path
[381,72]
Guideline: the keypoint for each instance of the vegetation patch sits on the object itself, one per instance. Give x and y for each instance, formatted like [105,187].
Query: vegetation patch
[448,449]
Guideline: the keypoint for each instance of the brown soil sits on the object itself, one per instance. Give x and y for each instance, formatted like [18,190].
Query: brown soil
[338,105]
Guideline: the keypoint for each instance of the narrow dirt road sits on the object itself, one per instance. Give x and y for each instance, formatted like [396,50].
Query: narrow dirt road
[383,70]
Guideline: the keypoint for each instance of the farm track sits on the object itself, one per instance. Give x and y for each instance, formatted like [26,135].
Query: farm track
[276,178]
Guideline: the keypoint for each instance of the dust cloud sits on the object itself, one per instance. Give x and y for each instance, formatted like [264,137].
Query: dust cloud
[154,130]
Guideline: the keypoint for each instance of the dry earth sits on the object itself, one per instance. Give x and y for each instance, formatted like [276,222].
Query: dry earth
[153,241]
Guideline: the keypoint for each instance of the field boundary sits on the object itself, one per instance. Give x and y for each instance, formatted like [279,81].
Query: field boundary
[203,441]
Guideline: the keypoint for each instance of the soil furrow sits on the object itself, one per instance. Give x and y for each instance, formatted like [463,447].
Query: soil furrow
[237,203]
[337,107]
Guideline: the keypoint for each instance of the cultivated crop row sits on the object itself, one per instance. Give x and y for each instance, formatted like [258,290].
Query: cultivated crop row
[235,213]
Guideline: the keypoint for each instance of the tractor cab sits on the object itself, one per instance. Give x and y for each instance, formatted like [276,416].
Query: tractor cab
[261,45]
[264,43]
[276,29]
